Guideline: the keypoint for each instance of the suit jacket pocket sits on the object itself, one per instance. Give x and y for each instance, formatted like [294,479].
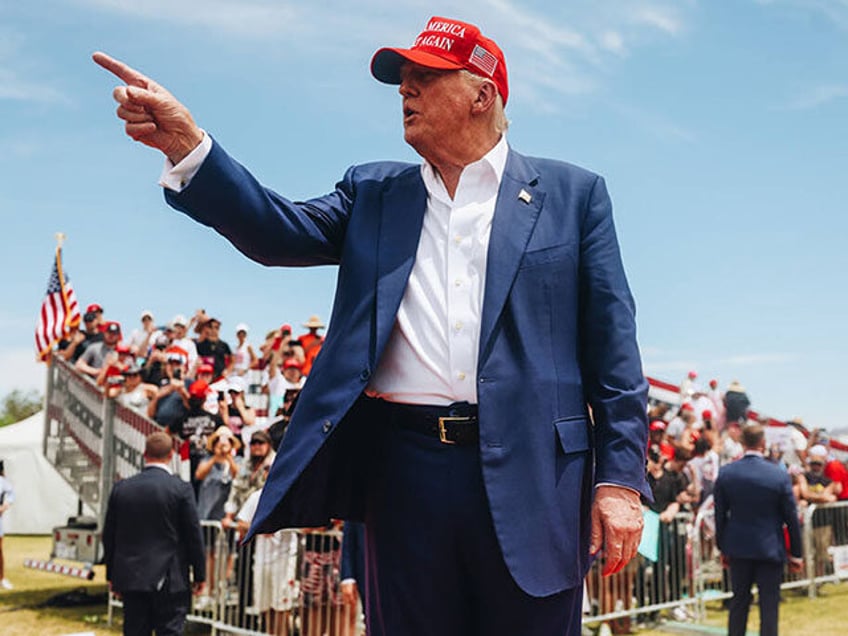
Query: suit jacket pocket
[573,433]
[547,255]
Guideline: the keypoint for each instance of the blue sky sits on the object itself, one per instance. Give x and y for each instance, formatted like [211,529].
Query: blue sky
[720,127]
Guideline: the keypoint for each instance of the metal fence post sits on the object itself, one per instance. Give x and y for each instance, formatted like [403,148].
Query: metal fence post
[809,550]
[48,400]
[107,454]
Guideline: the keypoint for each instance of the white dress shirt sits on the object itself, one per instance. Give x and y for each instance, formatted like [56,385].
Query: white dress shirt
[431,355]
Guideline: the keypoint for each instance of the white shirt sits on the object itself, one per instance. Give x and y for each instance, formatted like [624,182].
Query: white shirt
[431,356]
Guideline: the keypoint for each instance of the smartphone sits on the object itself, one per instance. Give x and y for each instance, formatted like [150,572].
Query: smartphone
[220,396]
[178,374]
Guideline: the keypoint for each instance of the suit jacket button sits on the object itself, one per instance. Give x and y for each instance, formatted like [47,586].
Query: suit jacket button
[327,426]
[366,373]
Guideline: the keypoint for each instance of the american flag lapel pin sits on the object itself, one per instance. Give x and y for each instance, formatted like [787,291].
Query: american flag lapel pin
[525,196]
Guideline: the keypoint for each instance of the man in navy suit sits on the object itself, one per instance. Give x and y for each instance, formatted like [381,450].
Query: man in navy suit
[152,544]
[753,502]
[479,400]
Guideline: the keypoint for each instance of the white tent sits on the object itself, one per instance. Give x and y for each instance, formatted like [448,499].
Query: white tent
[42,498]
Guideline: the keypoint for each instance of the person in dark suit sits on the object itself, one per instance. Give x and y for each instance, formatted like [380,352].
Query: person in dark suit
[152,544]
[481,312]
[753,503]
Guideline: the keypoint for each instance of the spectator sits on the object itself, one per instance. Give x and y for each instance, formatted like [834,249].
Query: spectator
[95,355]
[666,487]
[816,488]
[283,374]
[142,339]
[245,356]
[736,403]
[156,360]
[684,419]
[240,417]
[179,328]
[206,373]
[731,445]
[687,387]
[794,444]
[216,472]
[7,497]
[211,349]
[311,342]
[135,394]
[657,439]
[170,404]
[274,590]
[196,426]
[251,476]
[714,393]
[79,340]
[705,465]
[97,310]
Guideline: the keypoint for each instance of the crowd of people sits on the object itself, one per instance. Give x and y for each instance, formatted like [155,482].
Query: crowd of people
[188,379]
[688,446]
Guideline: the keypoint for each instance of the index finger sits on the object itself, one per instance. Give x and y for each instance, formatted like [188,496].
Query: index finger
[121,70]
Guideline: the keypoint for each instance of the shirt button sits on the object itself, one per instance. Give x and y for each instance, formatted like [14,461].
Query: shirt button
[458,325]
[457,239]
[458,282]
[326,426]
[460,376]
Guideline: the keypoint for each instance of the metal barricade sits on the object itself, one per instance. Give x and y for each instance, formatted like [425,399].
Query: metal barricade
[90,439]
[284,584]
[825,537]
[644,588]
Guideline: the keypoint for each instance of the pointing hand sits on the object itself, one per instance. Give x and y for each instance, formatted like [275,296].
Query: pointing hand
[153,116]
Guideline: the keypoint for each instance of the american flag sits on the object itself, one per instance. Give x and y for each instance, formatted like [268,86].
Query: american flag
[59,311]
[483,60]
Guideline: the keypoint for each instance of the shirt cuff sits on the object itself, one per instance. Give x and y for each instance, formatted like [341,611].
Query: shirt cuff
[177,177]
[604,483]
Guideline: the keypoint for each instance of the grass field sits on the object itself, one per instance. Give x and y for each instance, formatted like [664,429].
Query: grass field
[22,612]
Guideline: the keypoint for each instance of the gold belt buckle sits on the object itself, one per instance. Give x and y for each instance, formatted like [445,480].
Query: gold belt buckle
[443,431]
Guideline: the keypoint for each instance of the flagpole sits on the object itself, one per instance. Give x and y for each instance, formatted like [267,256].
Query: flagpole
[60,238]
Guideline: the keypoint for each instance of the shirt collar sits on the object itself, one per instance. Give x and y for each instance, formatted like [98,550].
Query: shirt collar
[164,467]
[493,161]
[753,453]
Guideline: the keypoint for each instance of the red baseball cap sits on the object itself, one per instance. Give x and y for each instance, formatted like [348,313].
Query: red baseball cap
[198,388]
[205,368]
[291,363]
[93,307]
[657,425]
[449,45]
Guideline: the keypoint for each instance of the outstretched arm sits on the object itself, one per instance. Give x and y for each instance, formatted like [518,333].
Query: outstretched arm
[153,116]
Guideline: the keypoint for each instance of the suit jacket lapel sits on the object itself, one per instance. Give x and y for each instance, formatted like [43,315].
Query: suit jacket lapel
[402,214]
[519,202]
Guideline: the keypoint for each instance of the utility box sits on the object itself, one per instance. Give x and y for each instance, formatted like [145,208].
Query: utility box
[79,540]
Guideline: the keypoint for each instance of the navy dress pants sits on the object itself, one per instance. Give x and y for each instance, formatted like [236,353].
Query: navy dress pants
[743,574]
[434,566]
[146,612]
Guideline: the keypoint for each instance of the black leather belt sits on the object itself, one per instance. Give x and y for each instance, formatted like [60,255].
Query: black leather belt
[454,424]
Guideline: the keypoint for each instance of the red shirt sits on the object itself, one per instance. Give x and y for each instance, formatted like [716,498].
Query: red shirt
[837,471]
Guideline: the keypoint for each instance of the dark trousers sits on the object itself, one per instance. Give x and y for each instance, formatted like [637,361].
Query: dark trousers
[434,565]
[146,612]
[743,574]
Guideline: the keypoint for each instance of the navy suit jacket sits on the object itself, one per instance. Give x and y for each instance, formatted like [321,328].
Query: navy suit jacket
[557,334]
[753,501]
[151,534]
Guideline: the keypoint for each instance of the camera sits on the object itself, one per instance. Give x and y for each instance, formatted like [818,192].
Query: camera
[178,374]
[115,380]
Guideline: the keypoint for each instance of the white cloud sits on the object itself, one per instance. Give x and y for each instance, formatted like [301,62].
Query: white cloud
[834,10]
[613,41]
[755,359]
[817,96]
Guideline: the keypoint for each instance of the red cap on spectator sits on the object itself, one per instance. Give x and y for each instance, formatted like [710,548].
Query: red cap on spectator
[286,328]
[706,414]
[111,327]
[122,348]
[176,353]
[205,368]
[199,389]
[657,425]
[291,363]
[94,307]
[713,384]
[687,407]
[692,375]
